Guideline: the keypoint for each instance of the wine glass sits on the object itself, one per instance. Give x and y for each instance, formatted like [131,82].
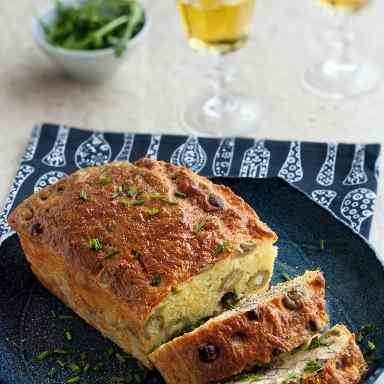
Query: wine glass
[342,72]
[219,27]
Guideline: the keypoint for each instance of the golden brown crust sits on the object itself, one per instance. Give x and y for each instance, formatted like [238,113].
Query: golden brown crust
[154,244]
[348,367]
[255,333]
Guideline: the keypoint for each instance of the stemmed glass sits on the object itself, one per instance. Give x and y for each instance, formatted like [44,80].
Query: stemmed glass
[342,72]
[219,27]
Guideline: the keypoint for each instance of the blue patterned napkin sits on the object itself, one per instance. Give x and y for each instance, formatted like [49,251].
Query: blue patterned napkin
[341,177]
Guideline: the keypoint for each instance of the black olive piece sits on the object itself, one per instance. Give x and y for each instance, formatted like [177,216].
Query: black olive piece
[36,229]
[208,352]
[216,201]
[229,299]
[277,351]
[252,315]
[339,364]
[60,188]
[313,325]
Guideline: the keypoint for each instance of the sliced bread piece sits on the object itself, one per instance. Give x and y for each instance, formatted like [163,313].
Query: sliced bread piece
[333,358]
[261,328]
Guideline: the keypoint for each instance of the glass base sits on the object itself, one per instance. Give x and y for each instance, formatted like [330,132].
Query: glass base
[332,80]
[223,116]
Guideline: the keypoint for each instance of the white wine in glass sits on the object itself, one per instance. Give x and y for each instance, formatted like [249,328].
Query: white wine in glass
[219,27]
[342,72]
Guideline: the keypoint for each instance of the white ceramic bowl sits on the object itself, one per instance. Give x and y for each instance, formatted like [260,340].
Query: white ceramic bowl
[85,65]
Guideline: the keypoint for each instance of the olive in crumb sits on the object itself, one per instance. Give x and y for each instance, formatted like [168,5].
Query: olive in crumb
[208,352]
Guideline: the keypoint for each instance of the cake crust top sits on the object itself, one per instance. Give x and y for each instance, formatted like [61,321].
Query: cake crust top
[139,229]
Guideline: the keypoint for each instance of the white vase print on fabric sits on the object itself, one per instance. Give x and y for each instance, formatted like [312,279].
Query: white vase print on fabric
[357,174]
[326,174]
[48,178]
[292,169]
[154,147]
[358,206]
[324,197]
[56,156]
[93,151]
[190,154]
[255,161]
[222,160]
[33,143]
[125,152]
[24,172]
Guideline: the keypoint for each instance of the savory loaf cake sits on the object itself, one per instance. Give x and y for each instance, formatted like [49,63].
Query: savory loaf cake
[333,358]
[261,328]
[142,250]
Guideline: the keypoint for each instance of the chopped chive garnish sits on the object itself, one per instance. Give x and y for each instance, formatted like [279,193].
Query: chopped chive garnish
[248,376]
[221,248]
[118,191]
[95,245]
[83,356]
[43,355]
[65,317]
[60,363]
[131,191]
[138,202]
[60,351]
[124,201]
[51,372]
[156,281]
[105,179]
[109,352]
[313,366]
[291,376]
[286,276]
[72,380]
[153,211]
[181,195]
[322,245]
[111,253]
[199,227]
[315,343]
[86,368]
[155,196]
[120,357]
[169,201]
[53,314]
[83,195]
[68,335]
[73,367]
[367,329]
[371,345]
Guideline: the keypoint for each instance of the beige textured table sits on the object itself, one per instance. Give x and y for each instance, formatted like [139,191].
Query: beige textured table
[163,75]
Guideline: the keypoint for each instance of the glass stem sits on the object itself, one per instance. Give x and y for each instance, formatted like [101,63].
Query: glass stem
[220,77]
[339,39]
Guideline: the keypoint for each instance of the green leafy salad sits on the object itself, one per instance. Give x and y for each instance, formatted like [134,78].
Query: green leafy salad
[95,24]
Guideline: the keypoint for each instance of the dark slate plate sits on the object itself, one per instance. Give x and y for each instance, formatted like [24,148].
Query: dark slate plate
[310,237]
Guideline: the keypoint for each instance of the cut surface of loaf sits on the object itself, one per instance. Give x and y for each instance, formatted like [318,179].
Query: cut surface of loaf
[261,328]
[333,358]
[142,250]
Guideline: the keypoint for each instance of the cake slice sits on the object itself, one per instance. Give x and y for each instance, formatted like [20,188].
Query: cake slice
[141,250]
[333,358]
[258,330]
